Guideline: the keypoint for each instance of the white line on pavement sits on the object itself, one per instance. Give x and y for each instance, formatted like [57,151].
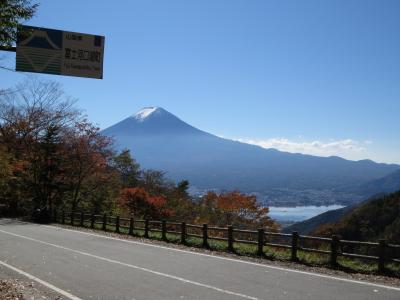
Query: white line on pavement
[230,259]
[134,267]
[42,282]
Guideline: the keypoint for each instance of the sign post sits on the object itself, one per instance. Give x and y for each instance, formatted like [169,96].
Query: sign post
[42,50]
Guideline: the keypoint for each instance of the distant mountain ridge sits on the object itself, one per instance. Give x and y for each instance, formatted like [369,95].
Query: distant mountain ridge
[160,140]
[387,184]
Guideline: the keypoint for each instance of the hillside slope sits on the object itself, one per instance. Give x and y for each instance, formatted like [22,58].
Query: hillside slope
[331,216]
[375,219]
[309,225]
[386,184]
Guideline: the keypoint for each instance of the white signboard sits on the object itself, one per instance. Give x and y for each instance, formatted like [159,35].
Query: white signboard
[50,51]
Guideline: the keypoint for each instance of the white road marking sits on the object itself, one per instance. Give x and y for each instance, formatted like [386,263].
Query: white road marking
[134,267]
[230,259]
[42,282]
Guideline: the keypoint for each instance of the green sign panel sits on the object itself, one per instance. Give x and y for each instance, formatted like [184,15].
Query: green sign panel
[57,52]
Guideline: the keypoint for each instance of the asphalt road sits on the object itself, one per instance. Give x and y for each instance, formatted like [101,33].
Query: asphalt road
[90,266]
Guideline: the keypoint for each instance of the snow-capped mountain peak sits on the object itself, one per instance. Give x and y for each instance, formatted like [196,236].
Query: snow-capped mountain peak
[145,112]
[152,120]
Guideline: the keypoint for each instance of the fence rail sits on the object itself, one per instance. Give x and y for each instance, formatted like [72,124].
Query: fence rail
[381,252]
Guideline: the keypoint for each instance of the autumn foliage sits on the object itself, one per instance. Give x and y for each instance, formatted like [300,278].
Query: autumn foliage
[53,156]
[234,208]
[140,203]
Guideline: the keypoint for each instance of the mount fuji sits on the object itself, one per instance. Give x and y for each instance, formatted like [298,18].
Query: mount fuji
[159,140]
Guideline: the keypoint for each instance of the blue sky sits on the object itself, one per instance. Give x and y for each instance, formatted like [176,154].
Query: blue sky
[319,77]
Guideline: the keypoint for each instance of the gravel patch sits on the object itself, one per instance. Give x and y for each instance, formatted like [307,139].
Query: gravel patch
[11,289]
[372,278]
[14,289]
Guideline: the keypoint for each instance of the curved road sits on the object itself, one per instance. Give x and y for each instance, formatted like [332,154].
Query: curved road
[80,265]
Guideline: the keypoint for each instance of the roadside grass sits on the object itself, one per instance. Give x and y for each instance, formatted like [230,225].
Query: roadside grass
[346,264]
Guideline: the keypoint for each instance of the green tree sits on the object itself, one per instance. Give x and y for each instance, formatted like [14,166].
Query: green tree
[128,169]
[46,168]
[154,182]
[180,203]
[12,13]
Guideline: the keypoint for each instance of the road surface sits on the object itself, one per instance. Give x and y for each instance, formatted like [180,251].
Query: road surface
[81,265]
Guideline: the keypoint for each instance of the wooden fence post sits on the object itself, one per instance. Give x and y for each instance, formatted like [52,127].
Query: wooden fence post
[260,242]
[105,222]
[164,230]
[117,224]
[295,242]
[230,239]
[146,228]
[334,250]
[72,218]
[82,219]
[63,217]
[205,236]
[183,233]
[55,215]
[92,221]
[131,226]
[381,256]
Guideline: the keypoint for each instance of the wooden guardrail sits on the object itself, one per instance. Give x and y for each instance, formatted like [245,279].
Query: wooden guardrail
[381,252]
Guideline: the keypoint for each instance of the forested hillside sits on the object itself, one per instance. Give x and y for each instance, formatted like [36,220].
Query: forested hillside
[309,225]
[376,219]
[331,216]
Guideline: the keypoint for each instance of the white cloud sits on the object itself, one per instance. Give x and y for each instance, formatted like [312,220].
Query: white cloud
[347,148]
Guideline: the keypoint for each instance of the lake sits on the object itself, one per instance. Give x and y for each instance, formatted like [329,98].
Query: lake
[298,213]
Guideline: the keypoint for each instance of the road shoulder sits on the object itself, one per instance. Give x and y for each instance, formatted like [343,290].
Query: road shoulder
[14,286]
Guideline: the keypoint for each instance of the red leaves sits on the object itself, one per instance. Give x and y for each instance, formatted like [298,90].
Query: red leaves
[234,207]
[234,201]
[130,197]
[139,202]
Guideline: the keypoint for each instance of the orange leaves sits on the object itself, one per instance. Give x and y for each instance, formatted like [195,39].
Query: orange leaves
[232,201]
[157,201]
[131,196]
[139,202]
[234,208]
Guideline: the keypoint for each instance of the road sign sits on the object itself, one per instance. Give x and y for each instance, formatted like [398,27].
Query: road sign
[50,51]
